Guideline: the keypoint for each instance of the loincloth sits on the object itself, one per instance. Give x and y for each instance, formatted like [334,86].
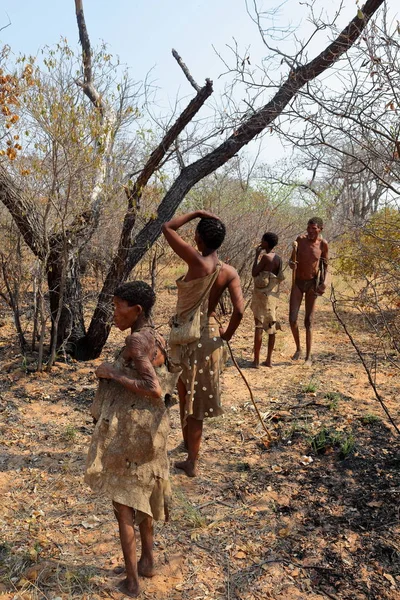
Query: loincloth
[263,305]
[305,285]
[202,363]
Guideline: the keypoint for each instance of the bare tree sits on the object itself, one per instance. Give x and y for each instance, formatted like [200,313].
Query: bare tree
[348,131]
[299,73]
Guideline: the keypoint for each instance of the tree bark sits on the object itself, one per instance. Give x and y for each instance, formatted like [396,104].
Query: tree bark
[65,291]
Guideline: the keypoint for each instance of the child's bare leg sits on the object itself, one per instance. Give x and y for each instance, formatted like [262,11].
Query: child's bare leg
[195,430]
[182,402]
[125,518]
[271,346]
[257,342]
[146,562]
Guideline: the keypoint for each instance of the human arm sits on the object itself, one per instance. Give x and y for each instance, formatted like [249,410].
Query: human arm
[323,270]
[138,348]
[258,266]
[178,245]
[235,293]
[293,257]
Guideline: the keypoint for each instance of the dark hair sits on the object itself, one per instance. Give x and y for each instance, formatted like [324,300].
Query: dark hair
[271,239]
[212,232]
[316,221]
[137,292]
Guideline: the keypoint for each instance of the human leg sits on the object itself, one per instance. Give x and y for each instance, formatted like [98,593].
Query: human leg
[125,516]
[258,331]
[310,305]
[296,296]
[146,562]
[271,346]
[194,433]
[182,402]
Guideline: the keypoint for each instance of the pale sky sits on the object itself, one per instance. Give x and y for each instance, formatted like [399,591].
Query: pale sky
[142,33]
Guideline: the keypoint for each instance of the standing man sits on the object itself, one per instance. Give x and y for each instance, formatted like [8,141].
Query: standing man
[202,358]
[309,262]
[267,275]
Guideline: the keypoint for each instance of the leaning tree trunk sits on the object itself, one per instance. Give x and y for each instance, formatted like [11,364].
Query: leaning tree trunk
[92,344]
[65,294]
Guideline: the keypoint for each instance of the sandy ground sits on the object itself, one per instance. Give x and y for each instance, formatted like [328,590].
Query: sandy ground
[313,515]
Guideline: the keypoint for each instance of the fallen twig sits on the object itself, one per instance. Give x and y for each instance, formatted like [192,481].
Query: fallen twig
[311,403]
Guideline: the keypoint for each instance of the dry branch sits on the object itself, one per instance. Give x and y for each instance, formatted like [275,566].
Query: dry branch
[121,267]
[23,212]
[361,357]
[185,70]
[249,129]
[104,142]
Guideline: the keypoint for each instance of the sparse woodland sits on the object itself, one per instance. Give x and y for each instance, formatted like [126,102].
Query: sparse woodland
[88,175]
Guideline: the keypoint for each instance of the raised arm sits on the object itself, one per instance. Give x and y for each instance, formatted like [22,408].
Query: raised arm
[235,292]
[184,250]
[138,348]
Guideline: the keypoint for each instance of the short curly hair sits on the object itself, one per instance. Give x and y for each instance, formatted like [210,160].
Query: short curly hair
[271,239]
[212,231]
[316,221]
[137,292]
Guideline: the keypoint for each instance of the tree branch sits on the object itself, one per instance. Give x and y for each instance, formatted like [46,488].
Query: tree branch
[23,212]
[104,141]
[364,364]
[185,70]
[121,265]
[87,83]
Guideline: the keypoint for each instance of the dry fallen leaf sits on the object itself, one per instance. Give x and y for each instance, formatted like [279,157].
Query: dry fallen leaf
[390,578]
[276,469]
[90,522]
[284,532]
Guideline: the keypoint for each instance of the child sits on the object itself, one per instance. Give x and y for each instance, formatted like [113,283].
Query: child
[127,459]
[267,274]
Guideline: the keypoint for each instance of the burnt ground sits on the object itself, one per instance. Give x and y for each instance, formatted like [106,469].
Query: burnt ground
[314,514]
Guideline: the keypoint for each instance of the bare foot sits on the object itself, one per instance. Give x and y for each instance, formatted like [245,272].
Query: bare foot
[188,466]
[296,355]
[308,361]
[267,363]
[255,365]
[146,567]
[129,588]
[119,569]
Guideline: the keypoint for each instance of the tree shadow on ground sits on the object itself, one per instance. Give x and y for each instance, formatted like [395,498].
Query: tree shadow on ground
[353,503]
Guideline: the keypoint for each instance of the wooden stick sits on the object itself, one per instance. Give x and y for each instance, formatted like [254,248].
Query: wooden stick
[250,392]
